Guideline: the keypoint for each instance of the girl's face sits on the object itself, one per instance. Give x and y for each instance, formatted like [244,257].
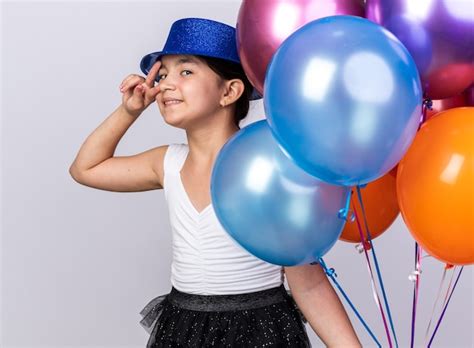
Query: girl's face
[189,90]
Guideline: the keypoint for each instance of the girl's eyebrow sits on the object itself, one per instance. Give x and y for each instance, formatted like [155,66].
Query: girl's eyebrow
[182,61]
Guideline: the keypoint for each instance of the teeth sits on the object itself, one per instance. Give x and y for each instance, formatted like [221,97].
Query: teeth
[172,102]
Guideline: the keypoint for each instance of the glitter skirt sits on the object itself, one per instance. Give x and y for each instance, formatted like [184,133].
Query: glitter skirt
[267,318]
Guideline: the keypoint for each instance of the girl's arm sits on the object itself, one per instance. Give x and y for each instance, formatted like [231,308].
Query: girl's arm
[321,306]
[138,94]
[95,164]
[97,167]
[101,144]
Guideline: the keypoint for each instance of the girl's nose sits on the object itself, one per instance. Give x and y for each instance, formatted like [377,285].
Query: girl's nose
[167,83]
[167,86]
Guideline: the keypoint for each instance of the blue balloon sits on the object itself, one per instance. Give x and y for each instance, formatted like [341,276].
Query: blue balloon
[270,206]
[343,98]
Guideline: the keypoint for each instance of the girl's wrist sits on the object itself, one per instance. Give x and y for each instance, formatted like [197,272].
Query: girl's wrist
[130,114]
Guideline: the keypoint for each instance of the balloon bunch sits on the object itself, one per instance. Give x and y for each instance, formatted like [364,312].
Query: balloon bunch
[435,181]
[343,100]
[351,103]
[435,178]
[344,96]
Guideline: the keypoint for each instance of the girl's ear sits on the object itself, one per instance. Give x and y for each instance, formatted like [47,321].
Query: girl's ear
[233,89]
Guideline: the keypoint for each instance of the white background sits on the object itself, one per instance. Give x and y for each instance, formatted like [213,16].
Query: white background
[78,264]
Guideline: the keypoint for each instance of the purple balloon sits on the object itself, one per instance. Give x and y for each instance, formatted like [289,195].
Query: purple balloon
[439,36]
[264,24]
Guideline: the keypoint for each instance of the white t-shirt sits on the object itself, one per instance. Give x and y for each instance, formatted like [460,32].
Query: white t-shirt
[206,259]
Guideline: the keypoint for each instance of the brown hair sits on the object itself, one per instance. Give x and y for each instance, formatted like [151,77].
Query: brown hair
[229,70]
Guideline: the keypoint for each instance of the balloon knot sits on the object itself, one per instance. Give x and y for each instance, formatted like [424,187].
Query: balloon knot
[366,245]
[331,272]
[428,103]
[342,214]
[346,214]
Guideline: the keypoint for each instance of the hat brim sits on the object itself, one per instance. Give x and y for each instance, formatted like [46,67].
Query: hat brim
[150,59]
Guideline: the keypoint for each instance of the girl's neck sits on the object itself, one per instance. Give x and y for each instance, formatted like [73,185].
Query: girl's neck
[206,142]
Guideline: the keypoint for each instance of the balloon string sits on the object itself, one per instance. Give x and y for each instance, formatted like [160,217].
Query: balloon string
[332,275]
[446,306]
[438,296]
[379,275]
[371,274]
[344,212]
[416,278]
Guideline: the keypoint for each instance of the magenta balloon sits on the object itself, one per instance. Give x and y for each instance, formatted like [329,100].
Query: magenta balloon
[439,36]
[262,26]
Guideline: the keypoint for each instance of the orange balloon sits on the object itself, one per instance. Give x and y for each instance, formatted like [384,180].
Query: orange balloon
[380,205]
[435,186]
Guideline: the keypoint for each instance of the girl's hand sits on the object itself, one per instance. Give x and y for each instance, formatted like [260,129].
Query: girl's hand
[138,92]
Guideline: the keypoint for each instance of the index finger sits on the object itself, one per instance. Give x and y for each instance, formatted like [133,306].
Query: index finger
[150,78]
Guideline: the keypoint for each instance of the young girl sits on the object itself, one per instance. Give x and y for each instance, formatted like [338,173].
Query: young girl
[221,295]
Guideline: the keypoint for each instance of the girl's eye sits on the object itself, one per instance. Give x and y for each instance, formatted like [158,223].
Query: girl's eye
[184,73]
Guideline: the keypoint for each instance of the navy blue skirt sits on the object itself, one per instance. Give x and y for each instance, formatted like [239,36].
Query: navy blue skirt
[268,318]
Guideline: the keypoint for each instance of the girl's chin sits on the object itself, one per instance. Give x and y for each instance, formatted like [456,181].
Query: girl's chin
[173,121]
[182,120]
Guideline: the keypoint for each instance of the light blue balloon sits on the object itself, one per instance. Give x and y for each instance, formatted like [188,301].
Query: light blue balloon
[343,98]
[271,207]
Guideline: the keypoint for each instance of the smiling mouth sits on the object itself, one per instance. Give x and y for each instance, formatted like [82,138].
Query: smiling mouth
[172,102]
